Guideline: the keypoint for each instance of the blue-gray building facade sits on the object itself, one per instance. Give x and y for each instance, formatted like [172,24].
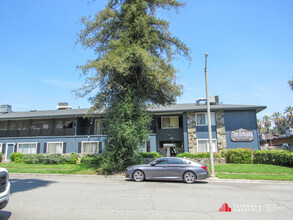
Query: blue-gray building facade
[175,129]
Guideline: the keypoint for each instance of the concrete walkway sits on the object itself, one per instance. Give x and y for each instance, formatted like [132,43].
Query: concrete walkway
[209,180]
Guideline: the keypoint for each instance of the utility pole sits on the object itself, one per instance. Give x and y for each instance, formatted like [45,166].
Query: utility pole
[212,173]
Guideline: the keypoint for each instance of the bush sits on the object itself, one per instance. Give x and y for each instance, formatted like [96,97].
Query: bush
[198,155]
[275,157]
[91,159]
[150,155]
[240,155]
[16,157]
[30,159]
[44,158]
[73,158]
[1,155]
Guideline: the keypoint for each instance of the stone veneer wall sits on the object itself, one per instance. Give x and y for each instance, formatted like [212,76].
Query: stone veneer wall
[221,131]
[191,132]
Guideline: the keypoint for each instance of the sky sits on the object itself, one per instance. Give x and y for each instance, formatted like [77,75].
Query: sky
[249,45]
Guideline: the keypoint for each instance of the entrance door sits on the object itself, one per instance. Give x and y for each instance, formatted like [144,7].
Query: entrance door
[169,148]
[9,150]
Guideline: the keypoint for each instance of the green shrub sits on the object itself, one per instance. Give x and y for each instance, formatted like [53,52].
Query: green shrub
[16,157]
[150,155]
[1,155]
[30,159]
[54,159]
[91,159]
[198,155]
[73,158]
[275,157]
[239,155]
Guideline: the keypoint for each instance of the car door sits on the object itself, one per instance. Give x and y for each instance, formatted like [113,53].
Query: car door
[176,168]
[158,169]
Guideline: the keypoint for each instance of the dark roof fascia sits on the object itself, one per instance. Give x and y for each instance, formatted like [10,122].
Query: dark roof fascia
[203,108]
[176,108]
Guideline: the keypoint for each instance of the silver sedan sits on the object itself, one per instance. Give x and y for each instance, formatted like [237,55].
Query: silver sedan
[168,168]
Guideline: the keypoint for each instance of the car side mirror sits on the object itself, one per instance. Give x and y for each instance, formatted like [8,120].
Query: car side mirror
[153,163]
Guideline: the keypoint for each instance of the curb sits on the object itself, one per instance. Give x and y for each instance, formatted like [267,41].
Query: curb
[271,182]
[63,175]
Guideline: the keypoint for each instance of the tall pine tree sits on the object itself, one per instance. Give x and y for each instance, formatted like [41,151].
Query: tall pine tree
[132,70]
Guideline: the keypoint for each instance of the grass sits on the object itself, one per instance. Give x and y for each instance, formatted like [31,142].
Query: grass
[226,171]
[51,169]
[254,172]
[253,168]
[256,176]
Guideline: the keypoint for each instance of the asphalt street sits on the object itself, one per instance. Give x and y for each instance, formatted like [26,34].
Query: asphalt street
[97,197]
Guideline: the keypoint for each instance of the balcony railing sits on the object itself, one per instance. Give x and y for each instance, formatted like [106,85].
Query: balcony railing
[37,132]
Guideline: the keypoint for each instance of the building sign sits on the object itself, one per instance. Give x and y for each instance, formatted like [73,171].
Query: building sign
[241,135]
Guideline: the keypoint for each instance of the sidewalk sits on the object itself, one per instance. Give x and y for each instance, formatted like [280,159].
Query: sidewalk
[209,180]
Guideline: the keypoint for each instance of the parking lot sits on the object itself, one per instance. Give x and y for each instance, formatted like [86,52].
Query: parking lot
[96,197]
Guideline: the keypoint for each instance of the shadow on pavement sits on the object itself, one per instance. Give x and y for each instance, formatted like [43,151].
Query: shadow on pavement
[20,185]
[5,215]
[178,182]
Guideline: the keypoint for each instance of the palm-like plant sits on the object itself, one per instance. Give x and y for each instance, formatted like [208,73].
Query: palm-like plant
[267,122]
[289,115]
[278,120]
[291,84]
[259,125]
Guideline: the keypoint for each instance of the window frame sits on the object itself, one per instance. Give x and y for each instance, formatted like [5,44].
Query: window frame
[36,143]
[213,118]
[1,147]
[162,124]
[47,147]
[81,149]
[208,149]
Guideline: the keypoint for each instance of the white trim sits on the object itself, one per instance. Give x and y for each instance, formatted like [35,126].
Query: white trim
[60,142]
[208,150]
[213,118]
[81,150]
[1,145]
[36,143]
[170,122]
[6,146]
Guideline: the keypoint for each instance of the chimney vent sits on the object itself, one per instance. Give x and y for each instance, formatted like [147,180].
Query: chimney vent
[4,109]
[63,106]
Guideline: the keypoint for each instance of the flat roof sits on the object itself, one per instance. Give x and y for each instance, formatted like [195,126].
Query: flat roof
[174,108]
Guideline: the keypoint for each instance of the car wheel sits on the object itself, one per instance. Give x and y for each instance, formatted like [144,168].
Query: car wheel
[138,176]
[189,177]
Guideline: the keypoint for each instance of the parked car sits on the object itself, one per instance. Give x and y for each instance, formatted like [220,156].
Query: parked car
[4,188]
[168,168]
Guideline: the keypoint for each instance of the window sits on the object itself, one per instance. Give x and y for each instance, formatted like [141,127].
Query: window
[176,161]
[27,148]
[90,147]
[100,126]
[203,145]
[162,161]
[1,150]
[55,147]
[145,146]
[202,119]
[170,122]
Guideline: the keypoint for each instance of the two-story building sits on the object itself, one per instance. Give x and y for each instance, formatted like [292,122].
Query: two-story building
[175,128]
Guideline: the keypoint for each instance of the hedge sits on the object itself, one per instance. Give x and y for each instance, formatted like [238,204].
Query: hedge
[275,157]
[198,155]
[91,159]
[150,155]
[44,158]
[239,155]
